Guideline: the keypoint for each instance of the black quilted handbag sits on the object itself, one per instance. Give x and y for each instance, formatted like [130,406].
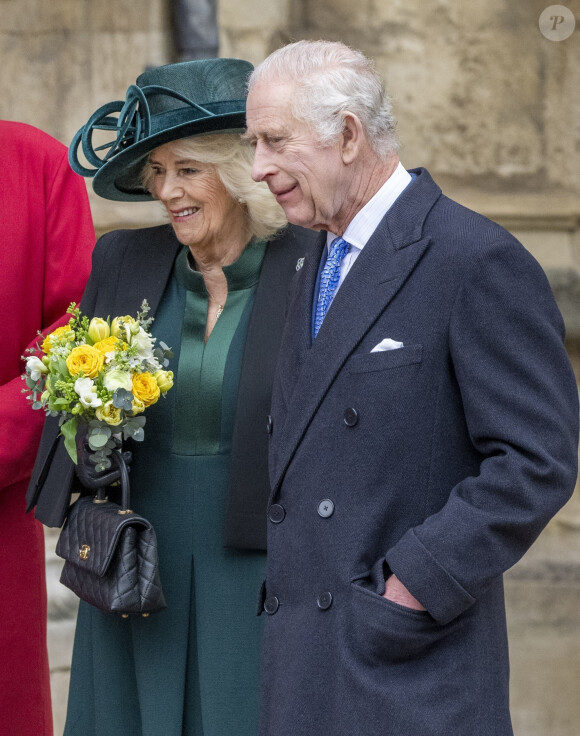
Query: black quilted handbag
[110,554]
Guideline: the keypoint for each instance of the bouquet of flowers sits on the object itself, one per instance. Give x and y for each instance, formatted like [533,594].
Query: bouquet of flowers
[99,375]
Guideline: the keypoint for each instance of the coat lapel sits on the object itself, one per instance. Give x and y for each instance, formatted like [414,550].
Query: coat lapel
[146,269]
[297,337]
[379,272]
[245,524]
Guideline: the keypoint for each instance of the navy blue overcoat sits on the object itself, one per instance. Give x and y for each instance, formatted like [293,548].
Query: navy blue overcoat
[440,461]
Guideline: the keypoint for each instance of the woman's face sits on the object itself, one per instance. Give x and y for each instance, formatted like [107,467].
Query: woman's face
[200,209]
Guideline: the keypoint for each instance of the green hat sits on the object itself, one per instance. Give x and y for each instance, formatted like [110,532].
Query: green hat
[166,103]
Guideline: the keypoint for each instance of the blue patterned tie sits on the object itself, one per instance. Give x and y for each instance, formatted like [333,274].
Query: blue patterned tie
[329,280]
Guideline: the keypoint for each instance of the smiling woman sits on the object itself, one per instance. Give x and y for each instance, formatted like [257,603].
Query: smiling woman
[203,215]
[216,281]
[215,220]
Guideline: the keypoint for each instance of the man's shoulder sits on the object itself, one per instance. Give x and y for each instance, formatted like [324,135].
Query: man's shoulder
[452,222]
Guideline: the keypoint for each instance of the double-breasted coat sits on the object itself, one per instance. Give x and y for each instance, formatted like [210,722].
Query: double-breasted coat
[440,462]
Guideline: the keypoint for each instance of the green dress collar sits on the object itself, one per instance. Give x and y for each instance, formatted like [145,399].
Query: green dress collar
[241,274]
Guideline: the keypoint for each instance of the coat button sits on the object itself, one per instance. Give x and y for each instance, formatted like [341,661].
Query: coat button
[271,605]
[276,513]
[325,508]
[350,417]
[269,425]
[324,600]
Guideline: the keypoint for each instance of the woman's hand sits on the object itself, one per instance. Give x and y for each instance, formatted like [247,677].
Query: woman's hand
[88,475]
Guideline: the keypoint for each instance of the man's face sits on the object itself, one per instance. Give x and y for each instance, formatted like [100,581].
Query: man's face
[307,179]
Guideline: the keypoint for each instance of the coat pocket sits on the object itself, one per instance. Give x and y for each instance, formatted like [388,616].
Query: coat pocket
[384,632]
[386,359]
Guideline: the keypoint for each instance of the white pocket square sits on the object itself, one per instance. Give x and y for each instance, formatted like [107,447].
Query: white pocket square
[387,344]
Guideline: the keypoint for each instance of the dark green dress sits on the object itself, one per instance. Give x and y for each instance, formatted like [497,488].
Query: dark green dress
[194,668]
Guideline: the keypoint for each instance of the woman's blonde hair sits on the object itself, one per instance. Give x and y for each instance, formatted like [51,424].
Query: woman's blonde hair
[233,161]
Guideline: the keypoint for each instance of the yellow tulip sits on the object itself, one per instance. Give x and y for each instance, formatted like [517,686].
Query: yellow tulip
[164,380]
[98,329]
[121,326]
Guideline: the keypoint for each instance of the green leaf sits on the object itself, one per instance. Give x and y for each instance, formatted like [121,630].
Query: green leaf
[97,441]
[138,435]
[134,429]
[69,431]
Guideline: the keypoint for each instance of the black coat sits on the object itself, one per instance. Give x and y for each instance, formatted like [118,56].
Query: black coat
[132,265]
[440,461]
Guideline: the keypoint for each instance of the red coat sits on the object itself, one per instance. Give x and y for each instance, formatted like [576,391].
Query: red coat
[46,239]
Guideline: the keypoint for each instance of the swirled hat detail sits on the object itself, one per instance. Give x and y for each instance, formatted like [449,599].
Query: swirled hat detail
[166,103]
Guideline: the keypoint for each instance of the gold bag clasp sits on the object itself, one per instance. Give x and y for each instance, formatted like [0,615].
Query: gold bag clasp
[84,552]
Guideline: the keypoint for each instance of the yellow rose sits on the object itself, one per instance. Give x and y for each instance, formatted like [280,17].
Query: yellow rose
[121,326]
[86,360]
[98,329]
[60,332]
[145,388]
[109,344]
[109,413]
[164,380]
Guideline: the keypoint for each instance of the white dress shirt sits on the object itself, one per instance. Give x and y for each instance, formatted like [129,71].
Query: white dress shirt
[366,221]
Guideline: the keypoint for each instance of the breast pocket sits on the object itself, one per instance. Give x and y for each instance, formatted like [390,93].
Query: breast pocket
[386,359]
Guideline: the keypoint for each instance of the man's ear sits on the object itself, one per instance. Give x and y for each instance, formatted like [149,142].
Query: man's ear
[352,137]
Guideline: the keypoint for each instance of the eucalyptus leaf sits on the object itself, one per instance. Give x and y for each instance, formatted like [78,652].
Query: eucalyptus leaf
[134,429]
[97,441]
[97,427]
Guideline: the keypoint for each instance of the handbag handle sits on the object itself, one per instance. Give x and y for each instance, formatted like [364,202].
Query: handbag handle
[125,487]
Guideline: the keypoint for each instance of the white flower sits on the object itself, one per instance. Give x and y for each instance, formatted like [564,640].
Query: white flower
[84,386]
[90,400]
[35,367]
[117,378]
[87,392]
[144,344]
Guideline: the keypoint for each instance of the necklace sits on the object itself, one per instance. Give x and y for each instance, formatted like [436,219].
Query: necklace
[220,309]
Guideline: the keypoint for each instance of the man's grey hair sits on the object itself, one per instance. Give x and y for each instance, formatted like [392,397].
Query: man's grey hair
[330,79]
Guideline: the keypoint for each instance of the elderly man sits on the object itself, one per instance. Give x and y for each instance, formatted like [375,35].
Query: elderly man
[423,427]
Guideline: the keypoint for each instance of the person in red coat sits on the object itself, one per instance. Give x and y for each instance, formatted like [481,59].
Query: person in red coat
[46,240]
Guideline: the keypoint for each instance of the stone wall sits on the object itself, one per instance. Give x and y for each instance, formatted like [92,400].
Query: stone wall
[483,100]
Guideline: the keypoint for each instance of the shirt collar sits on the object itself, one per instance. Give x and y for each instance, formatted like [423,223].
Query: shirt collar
[366,221]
